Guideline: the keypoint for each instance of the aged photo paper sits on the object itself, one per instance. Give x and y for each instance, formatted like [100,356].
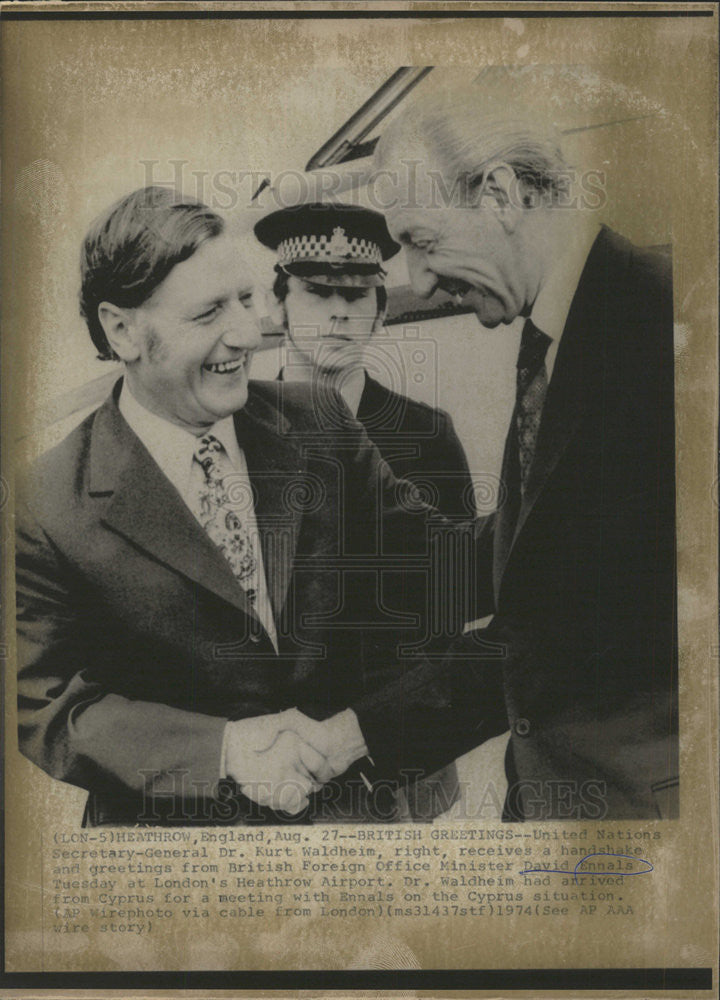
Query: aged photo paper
[253,108]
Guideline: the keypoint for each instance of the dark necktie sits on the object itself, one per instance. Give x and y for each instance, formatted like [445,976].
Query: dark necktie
[532,383]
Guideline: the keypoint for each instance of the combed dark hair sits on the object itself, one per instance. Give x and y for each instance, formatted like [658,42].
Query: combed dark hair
[131,248]
[280,290]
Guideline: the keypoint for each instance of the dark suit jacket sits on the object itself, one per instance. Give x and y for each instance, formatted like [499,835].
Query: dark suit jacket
[419,443]
[135,641]
[581,654]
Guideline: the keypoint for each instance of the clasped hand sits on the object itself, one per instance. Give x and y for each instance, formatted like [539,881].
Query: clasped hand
[279,760]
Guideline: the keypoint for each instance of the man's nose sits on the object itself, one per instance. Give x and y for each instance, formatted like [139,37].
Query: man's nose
[422,277]
[243,328]
[339,308]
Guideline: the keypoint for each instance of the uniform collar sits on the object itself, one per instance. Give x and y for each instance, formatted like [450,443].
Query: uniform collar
[351,389]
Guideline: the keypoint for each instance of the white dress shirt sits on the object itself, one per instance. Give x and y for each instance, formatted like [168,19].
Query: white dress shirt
[552,305]
[173,449]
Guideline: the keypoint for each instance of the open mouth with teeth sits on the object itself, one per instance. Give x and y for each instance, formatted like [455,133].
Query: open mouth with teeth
[224,367]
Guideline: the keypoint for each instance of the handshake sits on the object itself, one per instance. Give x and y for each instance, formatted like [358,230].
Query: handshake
[279,760]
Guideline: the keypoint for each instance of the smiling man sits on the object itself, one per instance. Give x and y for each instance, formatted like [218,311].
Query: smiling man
[179,554]
[580,558]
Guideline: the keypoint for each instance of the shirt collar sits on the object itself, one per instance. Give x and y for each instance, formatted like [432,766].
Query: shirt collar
[552,305]
[224,431]
[172,447]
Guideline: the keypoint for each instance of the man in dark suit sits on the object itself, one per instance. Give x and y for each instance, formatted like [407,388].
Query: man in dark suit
[188,592]
[578,565]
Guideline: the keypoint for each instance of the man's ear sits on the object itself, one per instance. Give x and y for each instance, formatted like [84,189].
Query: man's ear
[499,188]
[121,331]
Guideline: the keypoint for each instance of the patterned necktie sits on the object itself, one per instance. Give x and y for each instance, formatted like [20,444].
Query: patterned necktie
[220,512]
[532,383]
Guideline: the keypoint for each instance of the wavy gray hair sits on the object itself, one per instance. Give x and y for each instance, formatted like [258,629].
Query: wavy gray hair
[462,140]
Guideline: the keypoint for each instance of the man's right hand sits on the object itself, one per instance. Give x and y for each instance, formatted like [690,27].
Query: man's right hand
[271,764]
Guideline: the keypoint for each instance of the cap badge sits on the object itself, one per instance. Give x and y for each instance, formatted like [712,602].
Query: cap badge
[339,245]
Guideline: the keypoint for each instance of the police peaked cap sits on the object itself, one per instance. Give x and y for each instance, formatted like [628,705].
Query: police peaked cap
[330,244]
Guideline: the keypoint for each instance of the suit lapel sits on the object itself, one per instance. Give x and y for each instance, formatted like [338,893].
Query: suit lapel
[508,513]
[577,363]
[277,468]
[147,509]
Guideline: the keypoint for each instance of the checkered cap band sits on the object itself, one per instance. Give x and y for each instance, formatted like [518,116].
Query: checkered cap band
[328,249]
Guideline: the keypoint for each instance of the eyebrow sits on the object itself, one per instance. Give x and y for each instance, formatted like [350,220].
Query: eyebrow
[217,300]
[198,307]
[412,233]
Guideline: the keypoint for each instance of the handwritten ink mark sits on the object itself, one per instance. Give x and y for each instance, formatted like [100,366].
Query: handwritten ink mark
[581,862]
